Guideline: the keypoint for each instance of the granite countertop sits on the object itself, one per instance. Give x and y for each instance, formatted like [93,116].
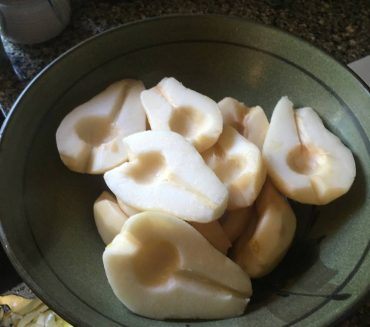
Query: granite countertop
[341,28]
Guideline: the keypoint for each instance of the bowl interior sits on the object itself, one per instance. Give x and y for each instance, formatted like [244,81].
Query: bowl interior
[47,223]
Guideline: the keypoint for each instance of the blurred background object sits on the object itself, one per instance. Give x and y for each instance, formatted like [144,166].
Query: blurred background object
[33,21]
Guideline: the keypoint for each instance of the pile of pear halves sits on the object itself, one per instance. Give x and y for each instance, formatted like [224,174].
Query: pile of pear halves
[194,180]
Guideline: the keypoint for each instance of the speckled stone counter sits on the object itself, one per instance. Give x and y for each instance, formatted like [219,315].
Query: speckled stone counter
[341,28]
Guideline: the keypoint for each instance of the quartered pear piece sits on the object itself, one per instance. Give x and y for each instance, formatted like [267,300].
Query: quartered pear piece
[173,107]
[129,211]
[109,218]
[234,222]
[166,173]
[252,122]
[160,267]
[214,233]
[306,161]
[89,138]
[269,235]
[238,164]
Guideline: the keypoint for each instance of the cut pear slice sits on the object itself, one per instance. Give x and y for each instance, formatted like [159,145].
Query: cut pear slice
[264,243]
[89,138]
[238,164]
[109,218]
[252,122]
[234,222]
[160,267]
[170,106]
[166,173]
[214,233]
[306,162]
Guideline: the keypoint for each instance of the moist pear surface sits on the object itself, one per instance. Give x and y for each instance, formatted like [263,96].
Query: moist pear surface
[109,218]
[89,138]
[156,267]
[166,226]
[166,173]
[263,246]
[306,161]
[171,106]
[239,165]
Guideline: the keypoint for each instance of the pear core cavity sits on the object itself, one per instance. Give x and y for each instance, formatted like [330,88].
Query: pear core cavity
[306,159]
[156,262]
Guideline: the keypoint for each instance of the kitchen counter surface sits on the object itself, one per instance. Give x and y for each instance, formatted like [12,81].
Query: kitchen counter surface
[341,28]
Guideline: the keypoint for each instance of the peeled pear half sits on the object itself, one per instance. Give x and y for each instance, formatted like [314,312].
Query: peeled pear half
[252,122]
[109,218]
[170,106]
[89,138]
[164,172]
[268,235]
[160,267]
[306,161]
[239,165]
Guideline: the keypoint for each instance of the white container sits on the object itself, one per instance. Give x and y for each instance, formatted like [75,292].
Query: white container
[33,21]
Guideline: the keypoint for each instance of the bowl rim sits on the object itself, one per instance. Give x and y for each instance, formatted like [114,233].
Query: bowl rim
[92,38]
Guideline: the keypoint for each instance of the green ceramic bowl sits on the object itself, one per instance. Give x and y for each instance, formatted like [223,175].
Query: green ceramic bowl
[47,226]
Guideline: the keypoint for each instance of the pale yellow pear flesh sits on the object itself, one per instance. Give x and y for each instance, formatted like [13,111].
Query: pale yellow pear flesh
[89,138]
[233,113]
[252,122]
[239,165]
[160,267]
[261,248]
[215,234]
[128,210]
[306,161]
[330,163]
[208,179]
[166,173]
[109,218]
[256,125]
[234,222]
[173,107]
[212,231]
